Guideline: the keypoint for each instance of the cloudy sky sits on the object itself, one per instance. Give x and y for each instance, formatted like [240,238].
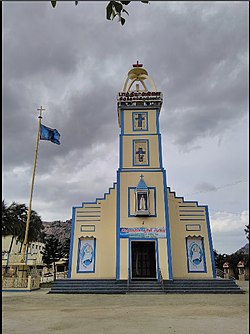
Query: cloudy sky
[73,62]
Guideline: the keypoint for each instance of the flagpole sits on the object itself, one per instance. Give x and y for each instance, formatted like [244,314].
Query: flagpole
[24,247]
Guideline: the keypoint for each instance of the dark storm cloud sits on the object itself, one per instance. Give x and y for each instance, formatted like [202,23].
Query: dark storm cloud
[73,62]
[205,187]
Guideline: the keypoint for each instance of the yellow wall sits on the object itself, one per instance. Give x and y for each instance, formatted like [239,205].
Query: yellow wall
[105,234]
[178,236]
[124,244]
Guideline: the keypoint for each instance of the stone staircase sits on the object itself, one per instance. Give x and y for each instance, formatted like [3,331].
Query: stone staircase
[94,286]
[145,286]
[202,286]
[111,286]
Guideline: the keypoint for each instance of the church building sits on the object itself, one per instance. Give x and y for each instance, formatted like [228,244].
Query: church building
[140,229]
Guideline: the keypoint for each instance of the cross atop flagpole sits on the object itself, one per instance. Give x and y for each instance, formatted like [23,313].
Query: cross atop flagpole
[25,242]
[41,109]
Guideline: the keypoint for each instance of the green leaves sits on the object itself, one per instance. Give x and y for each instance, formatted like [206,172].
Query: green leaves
[109,11]
[53,3]
[115,8]
[14,218]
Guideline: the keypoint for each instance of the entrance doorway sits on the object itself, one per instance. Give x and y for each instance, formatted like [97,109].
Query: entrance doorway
[143,259]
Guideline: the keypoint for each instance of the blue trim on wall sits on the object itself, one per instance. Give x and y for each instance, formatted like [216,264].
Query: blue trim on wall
[151,215]
[185,202]
[133,123]
[122,121]
[140,134]
[121,152]
[71,242]
[98,199]
[204,257]
[210,242]
[157,120]
[133,151]
[78,256]
[129,261]
[170,269]
[118,226]
[160,151]
[148,170]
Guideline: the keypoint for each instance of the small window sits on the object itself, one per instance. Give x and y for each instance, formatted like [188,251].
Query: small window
[36,246]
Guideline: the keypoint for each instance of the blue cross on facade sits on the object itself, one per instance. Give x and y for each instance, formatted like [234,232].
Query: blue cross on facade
[140,153]
[139,119]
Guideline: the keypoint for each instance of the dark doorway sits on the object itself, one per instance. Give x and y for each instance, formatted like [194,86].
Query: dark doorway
[143,260]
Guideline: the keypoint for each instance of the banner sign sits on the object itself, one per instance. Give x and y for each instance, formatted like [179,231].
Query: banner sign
[142,232]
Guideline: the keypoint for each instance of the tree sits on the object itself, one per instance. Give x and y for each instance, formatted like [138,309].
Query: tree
[219,259]
[113,9]
[232,259]
[246,230]
[66,248]
[14,218]
[6,219]
[52,252]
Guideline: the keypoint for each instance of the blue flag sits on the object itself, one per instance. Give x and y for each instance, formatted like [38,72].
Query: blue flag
[49,134]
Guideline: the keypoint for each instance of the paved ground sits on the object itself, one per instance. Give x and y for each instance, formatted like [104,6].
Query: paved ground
[39,312]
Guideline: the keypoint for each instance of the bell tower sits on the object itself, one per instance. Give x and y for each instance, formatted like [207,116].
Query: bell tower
[138,116]
[142,208]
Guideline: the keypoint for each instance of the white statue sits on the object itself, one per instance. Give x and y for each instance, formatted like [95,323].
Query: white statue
[142,203]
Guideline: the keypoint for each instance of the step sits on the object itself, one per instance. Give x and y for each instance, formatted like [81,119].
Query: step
[106,286]
[203,291]
[87,291]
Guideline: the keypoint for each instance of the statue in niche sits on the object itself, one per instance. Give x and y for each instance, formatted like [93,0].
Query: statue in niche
[142,199]
[142,202]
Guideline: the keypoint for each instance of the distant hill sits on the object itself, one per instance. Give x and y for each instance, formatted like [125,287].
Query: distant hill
[244,249]
[58,228]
